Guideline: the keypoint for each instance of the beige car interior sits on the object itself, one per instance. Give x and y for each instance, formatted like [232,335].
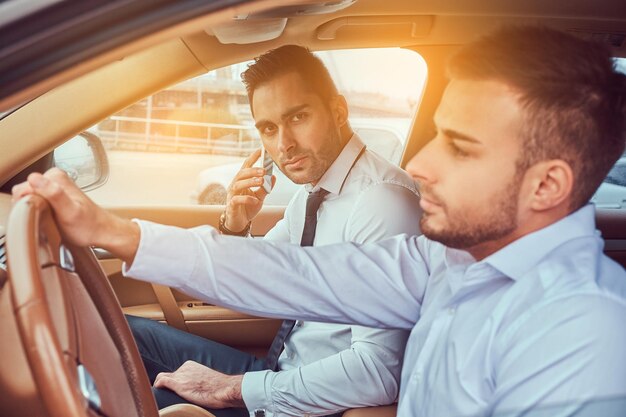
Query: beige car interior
[65,325]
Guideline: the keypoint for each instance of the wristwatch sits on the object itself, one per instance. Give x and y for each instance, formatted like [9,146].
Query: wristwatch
[226,231]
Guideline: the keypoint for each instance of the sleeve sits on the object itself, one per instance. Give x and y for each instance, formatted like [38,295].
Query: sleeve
[567,360]
[372,365]
[367,374]
[278,279]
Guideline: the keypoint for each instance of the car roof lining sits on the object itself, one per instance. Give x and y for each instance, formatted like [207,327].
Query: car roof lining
[454,22]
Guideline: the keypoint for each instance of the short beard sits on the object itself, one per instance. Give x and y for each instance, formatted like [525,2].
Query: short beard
[464,232]
[323,160]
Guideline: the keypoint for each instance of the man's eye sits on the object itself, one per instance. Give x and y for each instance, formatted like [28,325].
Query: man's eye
[456,151]
[298,117]
[268,130]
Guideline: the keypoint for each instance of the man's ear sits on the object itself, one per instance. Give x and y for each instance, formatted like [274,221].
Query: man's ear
[340,110]
[552,182]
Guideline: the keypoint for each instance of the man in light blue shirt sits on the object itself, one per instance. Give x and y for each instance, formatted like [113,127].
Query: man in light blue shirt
[513,308]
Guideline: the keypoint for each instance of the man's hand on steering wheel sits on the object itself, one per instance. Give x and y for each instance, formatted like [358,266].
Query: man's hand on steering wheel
[81,221]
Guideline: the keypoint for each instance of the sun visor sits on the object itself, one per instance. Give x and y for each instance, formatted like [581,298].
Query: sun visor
[248,31]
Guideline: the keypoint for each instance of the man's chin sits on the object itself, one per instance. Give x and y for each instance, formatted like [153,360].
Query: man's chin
[439,233]
[429,232]
[428,224]
[299,178]
[301,175]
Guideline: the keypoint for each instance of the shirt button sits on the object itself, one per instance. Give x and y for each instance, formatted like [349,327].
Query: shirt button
[451,311]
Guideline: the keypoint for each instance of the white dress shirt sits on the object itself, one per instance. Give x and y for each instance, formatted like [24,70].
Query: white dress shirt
[536,329]
[369,199]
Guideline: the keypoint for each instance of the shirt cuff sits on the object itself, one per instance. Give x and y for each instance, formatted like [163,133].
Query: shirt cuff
[254,393]
[159,253]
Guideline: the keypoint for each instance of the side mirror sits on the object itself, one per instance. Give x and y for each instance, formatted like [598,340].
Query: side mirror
[84,159]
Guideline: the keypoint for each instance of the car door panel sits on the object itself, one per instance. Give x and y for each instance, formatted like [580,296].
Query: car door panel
[182,311]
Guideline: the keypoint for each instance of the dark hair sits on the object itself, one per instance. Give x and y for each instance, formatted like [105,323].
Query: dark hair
[287,59]
[573,97]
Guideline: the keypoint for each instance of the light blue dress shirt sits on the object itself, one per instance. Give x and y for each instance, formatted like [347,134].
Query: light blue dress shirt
[536,329]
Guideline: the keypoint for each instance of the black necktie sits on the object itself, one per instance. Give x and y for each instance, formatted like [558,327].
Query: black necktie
[313,203]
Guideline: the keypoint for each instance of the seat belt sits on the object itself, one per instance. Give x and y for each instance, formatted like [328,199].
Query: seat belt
[171,311]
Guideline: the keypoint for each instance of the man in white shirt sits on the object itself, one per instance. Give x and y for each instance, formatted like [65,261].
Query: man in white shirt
[303,124]
[514,309]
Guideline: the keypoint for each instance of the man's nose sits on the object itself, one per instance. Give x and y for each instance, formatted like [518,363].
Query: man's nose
[420,166]
[285,139]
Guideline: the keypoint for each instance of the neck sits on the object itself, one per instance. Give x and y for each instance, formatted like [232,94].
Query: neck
[484,249]
[345,133]
[526,225]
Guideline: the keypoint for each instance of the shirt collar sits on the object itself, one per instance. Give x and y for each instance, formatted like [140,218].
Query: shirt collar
[517,258]
[334,177]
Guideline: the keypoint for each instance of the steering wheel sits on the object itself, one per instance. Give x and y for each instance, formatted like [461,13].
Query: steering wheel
[79,348]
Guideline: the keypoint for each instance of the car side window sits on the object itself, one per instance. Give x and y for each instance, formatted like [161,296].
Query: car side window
[612,192]
[183,145]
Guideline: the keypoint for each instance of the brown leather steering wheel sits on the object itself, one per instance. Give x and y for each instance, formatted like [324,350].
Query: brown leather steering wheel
[79,348]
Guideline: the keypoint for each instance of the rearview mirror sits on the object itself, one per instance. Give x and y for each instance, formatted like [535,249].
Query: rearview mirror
[84,159]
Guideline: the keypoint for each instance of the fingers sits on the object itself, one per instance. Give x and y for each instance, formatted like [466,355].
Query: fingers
[250,160]
[165,380]
[49,185]
[247,173]
[245,185]
[52,187]
[20,190]
[80,221]
[202,385]
[58,175]
[189,371]
[244,180]
[261,193]
[241,193]
[245,200]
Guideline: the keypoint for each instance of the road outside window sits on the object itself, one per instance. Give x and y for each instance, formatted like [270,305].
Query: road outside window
[184,144]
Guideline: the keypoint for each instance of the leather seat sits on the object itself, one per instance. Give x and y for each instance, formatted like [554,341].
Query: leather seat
[382,411]
[184,410]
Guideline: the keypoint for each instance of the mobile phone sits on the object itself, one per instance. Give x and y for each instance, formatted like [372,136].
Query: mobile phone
[268,164]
